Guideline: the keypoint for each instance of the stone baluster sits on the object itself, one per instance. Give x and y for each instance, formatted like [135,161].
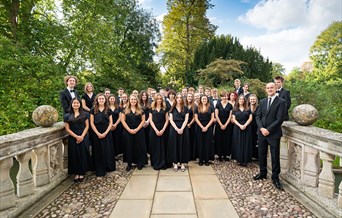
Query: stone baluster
[65,152]
[7,196]
[326,177]
[339,199]
[311,167]
[24,178]
[284,156]
[40,169]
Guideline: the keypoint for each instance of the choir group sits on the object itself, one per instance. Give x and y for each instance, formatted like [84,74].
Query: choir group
[171,128]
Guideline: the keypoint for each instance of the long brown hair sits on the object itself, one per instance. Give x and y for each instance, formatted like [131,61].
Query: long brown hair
[175,102]
[201,107]
[115,102]
[128,107]
[154,103]
[144,104]
[96,103]
[237,105]
[190,106]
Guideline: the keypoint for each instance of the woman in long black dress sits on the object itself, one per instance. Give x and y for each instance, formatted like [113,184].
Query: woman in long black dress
[159,120]
[145,106]
[77,125]
[242,132]
[191,122]
[116,127]
[170,100]
[204,116]
[88,97]
[253,106]
[178,151]
[223,113]
[101,122]
[133,119]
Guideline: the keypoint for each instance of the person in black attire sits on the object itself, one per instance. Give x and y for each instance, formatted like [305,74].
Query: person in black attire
[145,104]
[238,88]
[88,97]
[270,116]
[253,106]
[116,127]
[204,116]
[77,125]
[159,120]
[133,119]
[68,93]
[222,138]
[191,122]
[101,122]
[242,140]
[283,93]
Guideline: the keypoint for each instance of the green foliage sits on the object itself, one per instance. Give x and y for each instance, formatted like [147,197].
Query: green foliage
[184,27]
[326,53]
[108,43]
[220,71]
[228,47]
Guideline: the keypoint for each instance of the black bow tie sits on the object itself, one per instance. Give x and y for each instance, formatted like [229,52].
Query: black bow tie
[278,91]
[72,90]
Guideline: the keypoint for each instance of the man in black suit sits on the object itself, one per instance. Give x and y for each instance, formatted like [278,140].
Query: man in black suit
[238,88]
[269,118]
[68,93]
[283,93]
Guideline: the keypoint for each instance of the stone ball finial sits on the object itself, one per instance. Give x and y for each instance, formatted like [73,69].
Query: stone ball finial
[45,116]
[305,114]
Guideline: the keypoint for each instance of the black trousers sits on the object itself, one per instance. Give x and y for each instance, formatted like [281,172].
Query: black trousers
[263,143]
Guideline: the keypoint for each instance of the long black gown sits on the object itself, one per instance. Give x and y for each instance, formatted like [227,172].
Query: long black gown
[205,139]
[103,148]
[254,130]
[117,133]
[242,139]
[178,150]
[191,134]
[89,101]
[223,137]
[79,161]
[157,145]
[135,145]
[147,129]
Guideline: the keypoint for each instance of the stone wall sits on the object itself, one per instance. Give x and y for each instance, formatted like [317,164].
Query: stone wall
[42,166]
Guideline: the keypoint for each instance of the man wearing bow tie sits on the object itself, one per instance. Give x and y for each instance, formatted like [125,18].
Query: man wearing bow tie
[283,93]
[238,88]
[68,93]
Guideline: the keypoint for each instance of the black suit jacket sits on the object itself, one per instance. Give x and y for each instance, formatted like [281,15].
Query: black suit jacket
[211,101]
[271,119]
[65,98]
[285,94]
[239,92]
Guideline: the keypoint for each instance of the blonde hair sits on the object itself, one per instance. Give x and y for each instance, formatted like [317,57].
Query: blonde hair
[86,85]
[128,107]
[154,103]
[66,79]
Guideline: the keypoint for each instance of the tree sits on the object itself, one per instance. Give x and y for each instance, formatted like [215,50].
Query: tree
[220,71]
[277,69]
[326,53]
[184,28]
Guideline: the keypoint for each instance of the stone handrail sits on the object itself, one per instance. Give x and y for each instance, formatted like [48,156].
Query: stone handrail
[301,151]
[44,147]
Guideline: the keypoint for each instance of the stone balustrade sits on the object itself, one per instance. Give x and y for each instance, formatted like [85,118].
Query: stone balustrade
[41,157]
[306,155]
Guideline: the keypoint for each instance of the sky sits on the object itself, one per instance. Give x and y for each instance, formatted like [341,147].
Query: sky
[282,30]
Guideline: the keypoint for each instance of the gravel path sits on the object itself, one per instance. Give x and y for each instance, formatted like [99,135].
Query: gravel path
[256,198]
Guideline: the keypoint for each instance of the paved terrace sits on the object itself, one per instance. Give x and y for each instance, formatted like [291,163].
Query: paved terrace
[223,189]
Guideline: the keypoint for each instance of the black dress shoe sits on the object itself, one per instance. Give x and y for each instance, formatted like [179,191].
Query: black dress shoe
[220,159]
[128,168]
[226,158]
[259,176]
[206,163]
[200,163]
[139,167]
[278,185]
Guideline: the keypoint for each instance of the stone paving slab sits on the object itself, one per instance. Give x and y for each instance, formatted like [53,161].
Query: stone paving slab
[173,183]
[207,187]
[171,172]
[195,169]
[140,187]
[174,216]
[215,208]
[132,208]
[174,203]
